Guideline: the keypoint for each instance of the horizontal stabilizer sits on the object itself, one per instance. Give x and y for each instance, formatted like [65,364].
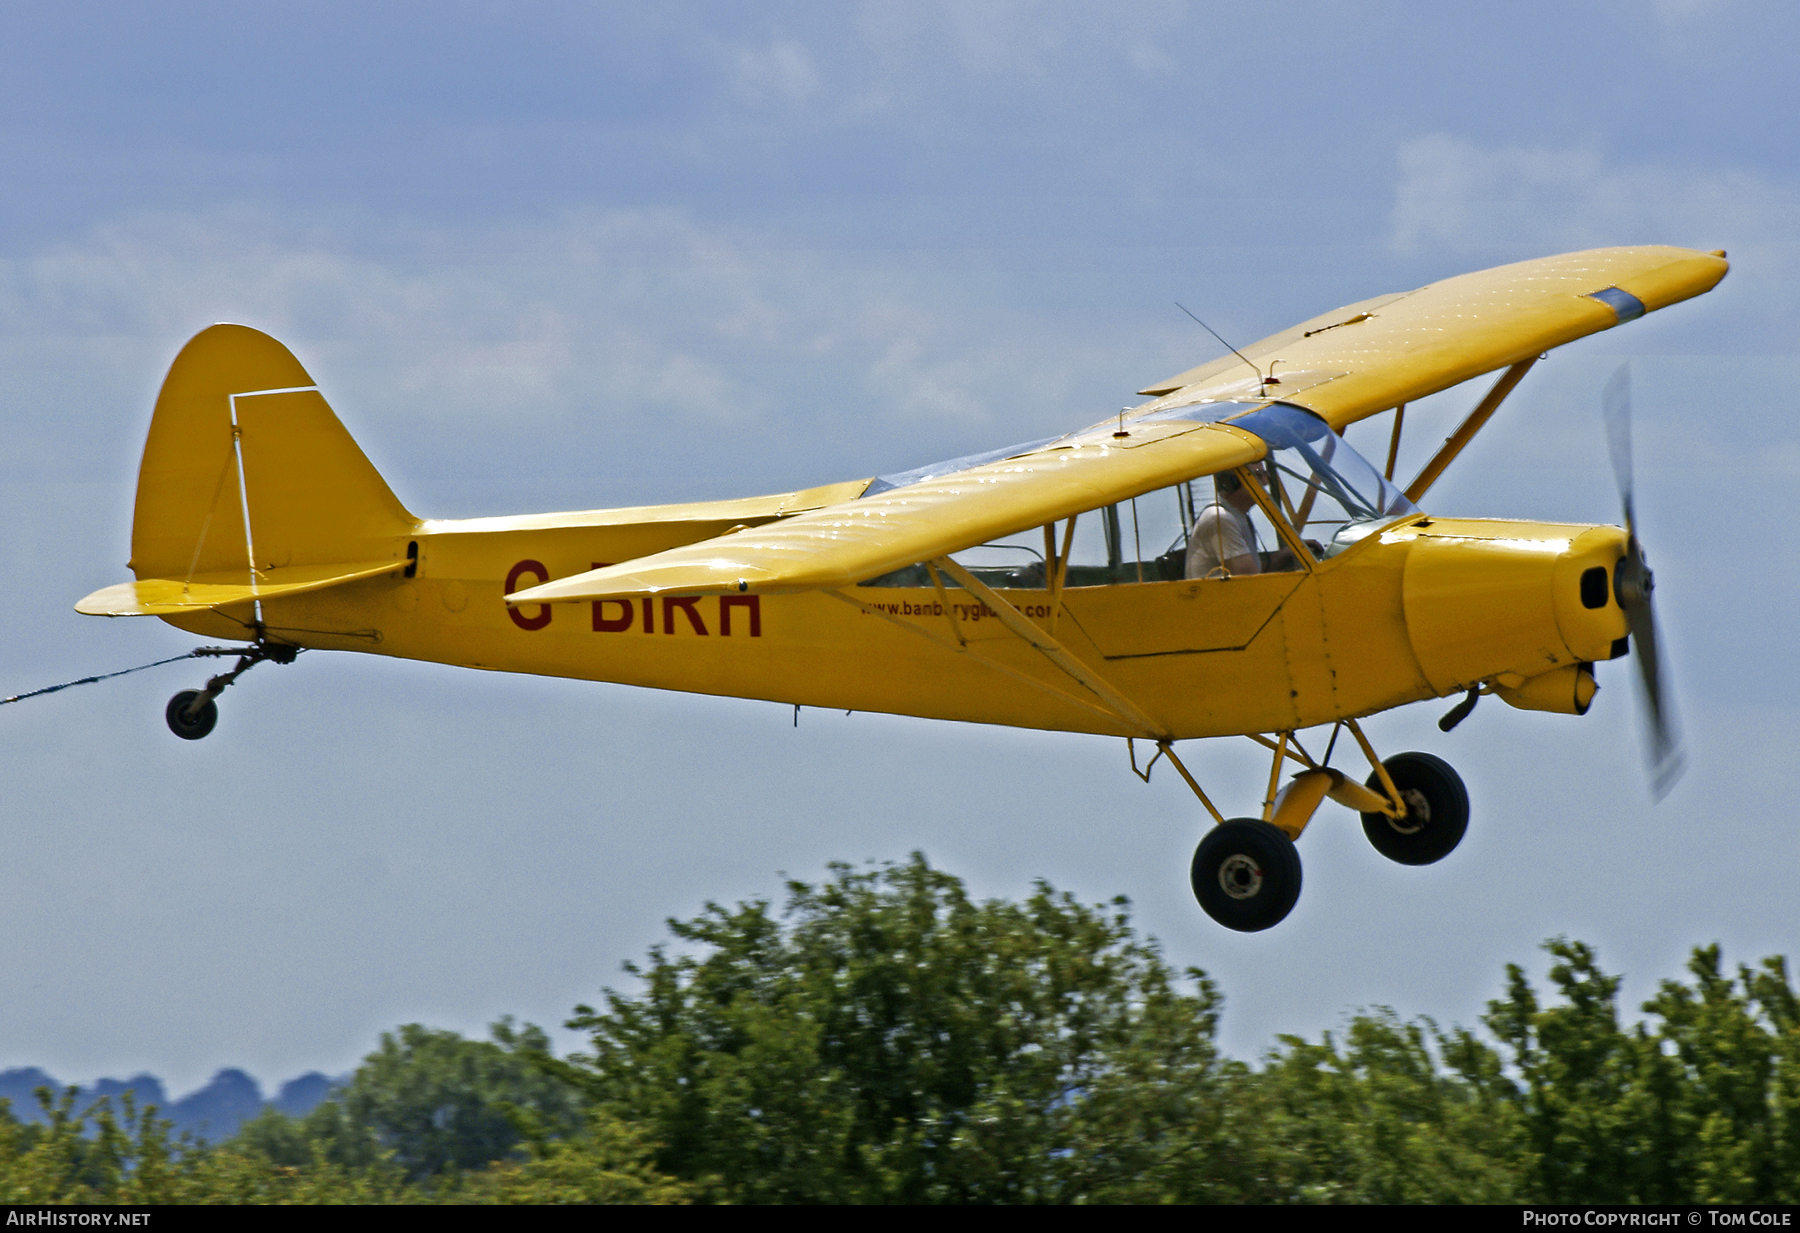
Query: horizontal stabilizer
[171,596]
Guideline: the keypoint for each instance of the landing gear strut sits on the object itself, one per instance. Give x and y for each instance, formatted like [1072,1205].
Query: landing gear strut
[192,713]
[1246,871]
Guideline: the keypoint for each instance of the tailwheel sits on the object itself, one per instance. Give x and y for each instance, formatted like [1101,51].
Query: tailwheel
[1437,810]
[1246,874]
[191,714]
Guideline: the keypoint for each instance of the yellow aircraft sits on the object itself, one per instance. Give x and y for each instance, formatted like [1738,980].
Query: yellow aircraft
[1213,562]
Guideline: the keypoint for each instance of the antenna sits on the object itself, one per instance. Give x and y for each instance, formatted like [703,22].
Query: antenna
[1268,380]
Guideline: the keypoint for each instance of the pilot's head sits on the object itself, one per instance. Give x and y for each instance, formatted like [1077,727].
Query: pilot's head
[1231,490]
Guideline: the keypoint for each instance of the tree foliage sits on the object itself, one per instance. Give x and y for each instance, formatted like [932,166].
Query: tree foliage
[1701,1104]
[127,1156]
[889,1040]
[1400,1113]
[884,1038]
[429,1102]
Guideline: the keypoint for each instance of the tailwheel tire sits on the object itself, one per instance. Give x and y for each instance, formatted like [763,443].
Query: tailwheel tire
[190,728]
[1437,810]
[1246,874]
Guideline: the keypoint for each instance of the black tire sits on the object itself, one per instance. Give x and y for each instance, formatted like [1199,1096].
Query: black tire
[1246,874]
[1437,811]
[190,729]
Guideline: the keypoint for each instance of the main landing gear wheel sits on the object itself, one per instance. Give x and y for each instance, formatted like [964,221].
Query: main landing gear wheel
[1437,810]
[191,727]
[1246,874]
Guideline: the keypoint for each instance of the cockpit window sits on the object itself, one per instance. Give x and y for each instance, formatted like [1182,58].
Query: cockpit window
[1207,527]
[1142,540]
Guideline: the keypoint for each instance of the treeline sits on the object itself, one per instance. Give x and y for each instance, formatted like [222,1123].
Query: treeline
[214,1111]
[886,1039]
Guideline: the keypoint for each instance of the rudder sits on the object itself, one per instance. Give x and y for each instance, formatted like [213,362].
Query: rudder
[244,455]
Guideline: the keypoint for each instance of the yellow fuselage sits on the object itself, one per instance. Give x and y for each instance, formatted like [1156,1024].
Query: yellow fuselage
[1420,610]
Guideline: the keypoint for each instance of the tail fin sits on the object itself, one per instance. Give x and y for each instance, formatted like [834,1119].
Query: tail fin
[250,487]
[246,468]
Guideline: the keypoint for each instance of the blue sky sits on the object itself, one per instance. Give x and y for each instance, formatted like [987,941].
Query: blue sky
[546,256]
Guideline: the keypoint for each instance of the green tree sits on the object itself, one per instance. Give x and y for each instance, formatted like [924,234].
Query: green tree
[889,1040]
[45,1163]
[1696,1105]
[127,1155]
[430,1102]
[1400,1114]
[610,1162]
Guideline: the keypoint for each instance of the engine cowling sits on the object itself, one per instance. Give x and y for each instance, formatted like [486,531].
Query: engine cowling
[1486,599]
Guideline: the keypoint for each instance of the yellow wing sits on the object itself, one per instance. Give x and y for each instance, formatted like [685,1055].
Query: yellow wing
[1367,357]
[1344,365]
[856,540]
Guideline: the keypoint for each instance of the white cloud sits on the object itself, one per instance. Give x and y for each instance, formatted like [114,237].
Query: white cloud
[782,72]
[1676,16]
[1483,205]
[1455,193]
[587,325]
[935,67]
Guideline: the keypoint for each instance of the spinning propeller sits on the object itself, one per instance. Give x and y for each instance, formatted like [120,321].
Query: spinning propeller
[1632,586]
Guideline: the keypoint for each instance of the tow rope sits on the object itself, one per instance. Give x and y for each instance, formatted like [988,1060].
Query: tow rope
[107,676]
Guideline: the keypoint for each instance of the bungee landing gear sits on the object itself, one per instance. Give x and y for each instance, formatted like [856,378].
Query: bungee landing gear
[1246,871]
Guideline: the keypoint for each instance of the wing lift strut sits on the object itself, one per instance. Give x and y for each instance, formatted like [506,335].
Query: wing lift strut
[1465,432]
[1289,808]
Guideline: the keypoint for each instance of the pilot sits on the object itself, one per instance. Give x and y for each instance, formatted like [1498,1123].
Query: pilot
[1223,541]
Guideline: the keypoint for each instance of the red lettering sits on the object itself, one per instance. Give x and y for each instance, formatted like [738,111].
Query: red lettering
[649,615]
[689,604]
[604,624]
[537,570]
[752,602]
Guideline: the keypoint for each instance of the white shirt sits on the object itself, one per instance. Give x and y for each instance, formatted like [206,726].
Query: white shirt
[1221,533]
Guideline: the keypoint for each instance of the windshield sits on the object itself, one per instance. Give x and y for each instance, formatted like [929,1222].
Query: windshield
[1326,489]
